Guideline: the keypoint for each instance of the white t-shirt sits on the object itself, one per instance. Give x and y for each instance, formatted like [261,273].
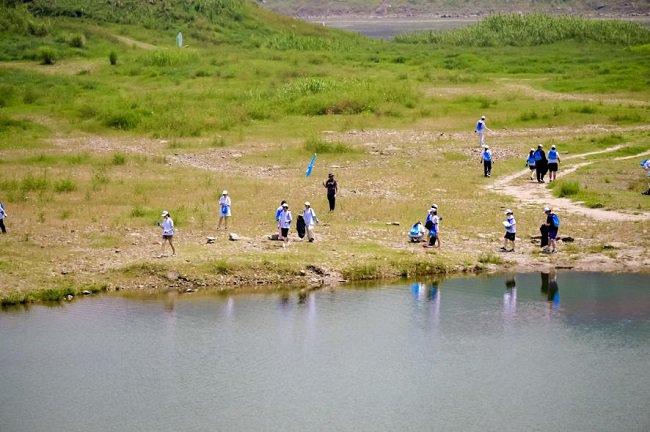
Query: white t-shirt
[2,212]
[285,219]
[167,226]
[309,215]
[224,205]
[511,225]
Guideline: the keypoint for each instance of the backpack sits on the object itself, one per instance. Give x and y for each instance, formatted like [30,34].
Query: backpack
[429,224]
[556,220]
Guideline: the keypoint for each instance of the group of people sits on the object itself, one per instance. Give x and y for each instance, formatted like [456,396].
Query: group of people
[538,161]
[432,226]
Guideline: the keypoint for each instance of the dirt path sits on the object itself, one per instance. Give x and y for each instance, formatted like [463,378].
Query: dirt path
[133,42]
[535,193]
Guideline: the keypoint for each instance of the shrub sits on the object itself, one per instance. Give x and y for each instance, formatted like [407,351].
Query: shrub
[31,183]
[65,185]
[47,55]
[317,145]
[112,58]
[119,159]
[489,258]
[568,188]
[77,40]
[124,120]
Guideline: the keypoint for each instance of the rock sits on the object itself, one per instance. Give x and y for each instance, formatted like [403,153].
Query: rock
[274,237]
[117,251]
[233,237]
[567,239]
[86,292]
[172,276]
[69,297]
[210,240]
[316,269]
[190,290]
[64,272]
[392,223]
[302,273]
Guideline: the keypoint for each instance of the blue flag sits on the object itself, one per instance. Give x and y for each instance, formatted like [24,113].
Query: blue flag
[310,166]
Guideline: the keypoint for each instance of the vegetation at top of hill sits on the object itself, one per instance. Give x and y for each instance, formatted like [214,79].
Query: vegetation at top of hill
[452,7]
[534,29]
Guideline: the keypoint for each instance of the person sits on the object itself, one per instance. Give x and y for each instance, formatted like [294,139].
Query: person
[309,215]
[480,129]
[225,213]
[645,164]
[3,215]
[431,224]
[167,226]
[530,162]
[278,212]
[486,159]
[332,189]
[553,224]
[416,234]
[553,163]
[285,223]
[511,231]
[540,163]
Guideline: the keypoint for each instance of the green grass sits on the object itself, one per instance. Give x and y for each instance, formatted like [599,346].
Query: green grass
[564,189]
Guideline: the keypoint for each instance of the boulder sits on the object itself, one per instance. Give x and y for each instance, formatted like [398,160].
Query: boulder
[233,237]
[86,292]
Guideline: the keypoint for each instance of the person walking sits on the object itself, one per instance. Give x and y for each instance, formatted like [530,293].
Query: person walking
[553,163]
[332,189]
[553,226]
[285,223]
[278,212]
[309,216]
[432,224]
[167,226]
[540,163]
[225,212]
[645,164]
[480,129]
[511,231]
[3,215]
[530,163]
[486,160]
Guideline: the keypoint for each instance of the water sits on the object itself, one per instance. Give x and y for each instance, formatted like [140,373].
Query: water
[467,354]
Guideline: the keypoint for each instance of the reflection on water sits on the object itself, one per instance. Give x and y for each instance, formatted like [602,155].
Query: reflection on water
[496,353]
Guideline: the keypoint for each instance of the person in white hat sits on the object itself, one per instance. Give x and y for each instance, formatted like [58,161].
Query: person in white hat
[224,210]
[309,215]
[480,129]
[167,226]
[3,215]
[553,163]
[285,223]
[486,160]
[510,225]
[431,224]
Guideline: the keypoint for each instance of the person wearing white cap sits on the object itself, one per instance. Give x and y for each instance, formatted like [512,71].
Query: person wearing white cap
[510,225]
[224,212]
[431,224]
[530,162]
[553,226]
[309,215]
[285,223]
[167,226]
[553,163]
[480,129]
[3,215]
[486,160]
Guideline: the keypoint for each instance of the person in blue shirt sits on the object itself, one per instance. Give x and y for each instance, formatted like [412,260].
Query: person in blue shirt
[553,163]
[553,225]
[530,162]
[480,129]
[431,224]
[3,215]
[486,160]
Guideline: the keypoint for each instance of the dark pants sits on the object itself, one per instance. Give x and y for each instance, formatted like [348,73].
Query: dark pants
[487,168]
[541,169]
[2,226]
[332,200]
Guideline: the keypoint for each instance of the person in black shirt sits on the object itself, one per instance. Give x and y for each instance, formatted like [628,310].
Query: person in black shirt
[541,163]
[332,189]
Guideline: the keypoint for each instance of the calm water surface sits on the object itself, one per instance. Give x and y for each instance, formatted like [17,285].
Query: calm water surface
[476,354]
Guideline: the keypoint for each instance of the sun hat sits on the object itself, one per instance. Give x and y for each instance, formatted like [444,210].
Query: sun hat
[508,211]
[164,213]
[285,205]
[482,117]
[225,192]
[539,146]
[487,146]
[547,209]
[553,146]
[532,149]
[307,204]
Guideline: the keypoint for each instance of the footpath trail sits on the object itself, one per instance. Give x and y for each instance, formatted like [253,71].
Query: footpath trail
[536,193]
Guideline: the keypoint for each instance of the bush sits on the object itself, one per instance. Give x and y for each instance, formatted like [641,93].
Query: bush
[47,55]
[489,258]
[77,40]
[112,58]
[568,188]
[119,159]
[317,145]
[125,120]
[65,185]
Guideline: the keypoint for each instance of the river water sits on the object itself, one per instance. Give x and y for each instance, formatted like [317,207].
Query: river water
[522,353]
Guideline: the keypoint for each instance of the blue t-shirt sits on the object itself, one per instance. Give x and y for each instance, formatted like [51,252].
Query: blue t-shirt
[487,155]
[480,125]
[552,156]
[531,160]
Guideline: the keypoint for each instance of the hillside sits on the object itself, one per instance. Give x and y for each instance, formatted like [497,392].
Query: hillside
[454,8]
[105,122]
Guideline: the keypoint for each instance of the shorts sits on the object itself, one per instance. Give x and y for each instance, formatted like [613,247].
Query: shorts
[168,236]
[226,214]
[509,236]
[284,231]
[552,233]
[552,166]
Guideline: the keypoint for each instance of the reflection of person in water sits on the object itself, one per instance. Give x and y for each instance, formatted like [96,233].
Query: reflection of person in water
[510,296]
[550,288]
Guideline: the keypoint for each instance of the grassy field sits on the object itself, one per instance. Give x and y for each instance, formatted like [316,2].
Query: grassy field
[91,151]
